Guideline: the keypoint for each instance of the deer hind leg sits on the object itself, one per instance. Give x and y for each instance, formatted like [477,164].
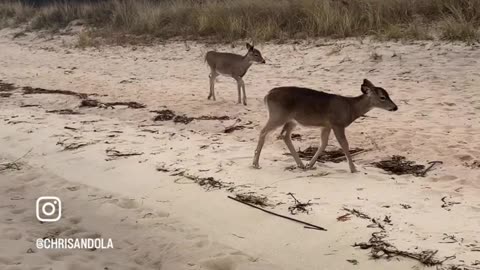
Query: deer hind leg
[272,124]
[342,140]
[288,141]
[244,93]
[213,75]
[325,135]
[239,88]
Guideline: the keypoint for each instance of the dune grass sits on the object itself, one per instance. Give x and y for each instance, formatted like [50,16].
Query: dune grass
[262,20]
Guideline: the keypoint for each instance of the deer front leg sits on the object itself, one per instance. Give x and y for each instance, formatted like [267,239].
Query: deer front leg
[288,141]
[324,136]
[239,89]
[342,140]
[244,93]
[212,77]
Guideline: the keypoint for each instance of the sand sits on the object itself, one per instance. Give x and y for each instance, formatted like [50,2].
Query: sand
[159,220]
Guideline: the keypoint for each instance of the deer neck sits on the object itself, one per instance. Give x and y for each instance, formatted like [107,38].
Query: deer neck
[246,63]
[360,105]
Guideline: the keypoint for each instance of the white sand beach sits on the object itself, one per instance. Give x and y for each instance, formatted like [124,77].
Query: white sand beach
[158,219]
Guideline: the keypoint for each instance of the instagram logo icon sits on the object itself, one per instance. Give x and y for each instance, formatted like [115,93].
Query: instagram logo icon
[49,209]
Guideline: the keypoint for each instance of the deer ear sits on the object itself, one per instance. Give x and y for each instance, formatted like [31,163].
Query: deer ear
[367,86]
[249,47]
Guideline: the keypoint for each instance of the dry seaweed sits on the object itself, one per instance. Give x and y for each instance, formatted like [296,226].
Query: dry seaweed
[183,119]
[400,165]
[376,222]
[164,115]
[298,206]
[129,104]
[6,87]
[232,128]
[116,153]
[253,199]
[72,146]
[27,90]
[335,156]
[5,95]
[64,111]
[208,183]
[382,249]
[209,117]
[167,115]
[96,103]
[14,164]
[474,165]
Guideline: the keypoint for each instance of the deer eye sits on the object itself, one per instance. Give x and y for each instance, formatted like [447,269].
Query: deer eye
[383,98]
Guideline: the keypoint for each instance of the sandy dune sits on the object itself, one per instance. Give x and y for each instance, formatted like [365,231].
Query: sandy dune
[159,220]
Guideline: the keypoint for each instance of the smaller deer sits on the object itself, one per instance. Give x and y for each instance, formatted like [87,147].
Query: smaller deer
[290,105]
[232,65]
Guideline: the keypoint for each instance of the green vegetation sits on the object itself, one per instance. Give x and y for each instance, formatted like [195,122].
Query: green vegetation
[257,19]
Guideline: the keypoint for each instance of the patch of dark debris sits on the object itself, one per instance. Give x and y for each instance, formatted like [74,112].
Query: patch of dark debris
[27,90]
[164,115]
[399,165]
[168,115]
[473,165]
[335,156]
[69,146]
[95,103]
[6,87]
[208,183]
[236,126]
[298,207]
[64,111]
[113,153]
[253,198]
[379,248]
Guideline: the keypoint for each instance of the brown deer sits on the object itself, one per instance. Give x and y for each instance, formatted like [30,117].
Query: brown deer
[290,105]
[232,65]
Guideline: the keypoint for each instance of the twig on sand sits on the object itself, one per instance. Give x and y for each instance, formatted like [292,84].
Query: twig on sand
[233,127]
[432,163]
[13,164]
[115,153]
[298,206]
[362,215]
[308,225]
[447,205]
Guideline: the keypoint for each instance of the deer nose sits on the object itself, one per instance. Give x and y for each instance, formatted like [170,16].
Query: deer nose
[394,108]
[263,62]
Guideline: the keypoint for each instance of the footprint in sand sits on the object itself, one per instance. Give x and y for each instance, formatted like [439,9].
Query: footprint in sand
[445,178]
[126,203]
[75,220]
[57,255]
[224,262]
[27,177]
[18,211]
[10,260]
[72,232]
[12,234]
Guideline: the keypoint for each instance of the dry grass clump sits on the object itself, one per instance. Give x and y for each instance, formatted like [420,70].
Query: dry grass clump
[257,19]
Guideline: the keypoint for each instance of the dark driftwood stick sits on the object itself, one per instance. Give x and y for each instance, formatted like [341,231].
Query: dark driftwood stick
[310,226]
[432,163]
